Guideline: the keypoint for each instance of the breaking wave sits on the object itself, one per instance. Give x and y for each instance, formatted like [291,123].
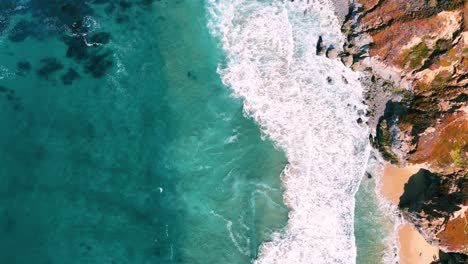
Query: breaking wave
[308,105]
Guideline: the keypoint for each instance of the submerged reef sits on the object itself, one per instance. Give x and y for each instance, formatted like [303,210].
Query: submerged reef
[416,53]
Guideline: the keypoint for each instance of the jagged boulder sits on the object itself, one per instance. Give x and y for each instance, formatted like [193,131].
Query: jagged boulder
[332,53]
[320,47]
[347,60]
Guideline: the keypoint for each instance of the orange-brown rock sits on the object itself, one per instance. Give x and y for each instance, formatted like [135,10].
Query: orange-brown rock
[455,235]
[444,146]
[424,43]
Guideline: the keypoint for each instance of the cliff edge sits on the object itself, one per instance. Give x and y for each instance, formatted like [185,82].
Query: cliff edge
[420,49]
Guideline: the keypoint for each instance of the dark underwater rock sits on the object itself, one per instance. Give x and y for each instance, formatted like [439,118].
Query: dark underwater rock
[49,66]
[22,67]
[3,89]
[77,48]
[125,4]
[100,38]
[22,30]
[98,65]
[70,76]
[12,98]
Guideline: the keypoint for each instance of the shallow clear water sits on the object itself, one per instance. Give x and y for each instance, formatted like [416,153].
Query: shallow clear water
[373,226]
[138,154]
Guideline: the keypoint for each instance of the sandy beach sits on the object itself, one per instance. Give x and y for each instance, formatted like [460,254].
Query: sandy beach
[413,248]
[394,179]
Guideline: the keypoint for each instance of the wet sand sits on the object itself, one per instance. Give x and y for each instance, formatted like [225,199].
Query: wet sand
[413,247]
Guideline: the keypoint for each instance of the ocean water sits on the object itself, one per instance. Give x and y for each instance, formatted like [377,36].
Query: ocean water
[309,106]
[181,131]
[376,219]
[119,142]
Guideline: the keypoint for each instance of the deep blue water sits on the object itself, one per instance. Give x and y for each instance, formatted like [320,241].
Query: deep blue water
[118,142]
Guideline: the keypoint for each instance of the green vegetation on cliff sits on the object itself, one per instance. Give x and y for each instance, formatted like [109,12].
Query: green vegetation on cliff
[416,55]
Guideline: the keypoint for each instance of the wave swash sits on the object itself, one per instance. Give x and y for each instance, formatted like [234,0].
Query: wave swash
[272,65]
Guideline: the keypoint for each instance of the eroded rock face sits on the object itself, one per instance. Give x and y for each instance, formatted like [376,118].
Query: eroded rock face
[421,48]
[435,204]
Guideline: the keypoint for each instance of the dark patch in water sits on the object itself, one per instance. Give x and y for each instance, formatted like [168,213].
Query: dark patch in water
[110,9]
[77,49]
[70,76]
[122,18]
[3,89]
[49,66]
[78,28]
[100,38]
[100,1]
[22,67]
[67,12]
[98,65]
[191,76]
[125,4]
[12,98]
[59,18]
[21,31]
[96,61]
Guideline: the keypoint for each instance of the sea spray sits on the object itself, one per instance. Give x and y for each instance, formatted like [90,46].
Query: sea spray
[308,105]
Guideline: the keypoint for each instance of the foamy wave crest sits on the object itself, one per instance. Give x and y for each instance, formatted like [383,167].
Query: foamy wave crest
[271,64]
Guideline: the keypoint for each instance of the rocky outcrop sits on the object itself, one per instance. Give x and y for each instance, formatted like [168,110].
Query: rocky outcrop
[332,53]
[435,204]
[420,49]
[451,258]
[320,47]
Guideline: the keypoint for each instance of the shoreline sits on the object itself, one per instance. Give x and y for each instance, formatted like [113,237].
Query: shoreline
[412,247]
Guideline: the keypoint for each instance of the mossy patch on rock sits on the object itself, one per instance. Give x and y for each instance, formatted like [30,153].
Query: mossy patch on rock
[384,136]
[416,55]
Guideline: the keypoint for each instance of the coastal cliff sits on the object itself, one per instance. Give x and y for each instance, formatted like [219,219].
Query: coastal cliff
[417,50]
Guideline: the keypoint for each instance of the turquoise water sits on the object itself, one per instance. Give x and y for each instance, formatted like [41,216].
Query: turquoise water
[372,226]
[128,149]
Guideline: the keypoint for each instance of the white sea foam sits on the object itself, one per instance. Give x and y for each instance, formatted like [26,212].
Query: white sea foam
[271,64]
[390,211]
